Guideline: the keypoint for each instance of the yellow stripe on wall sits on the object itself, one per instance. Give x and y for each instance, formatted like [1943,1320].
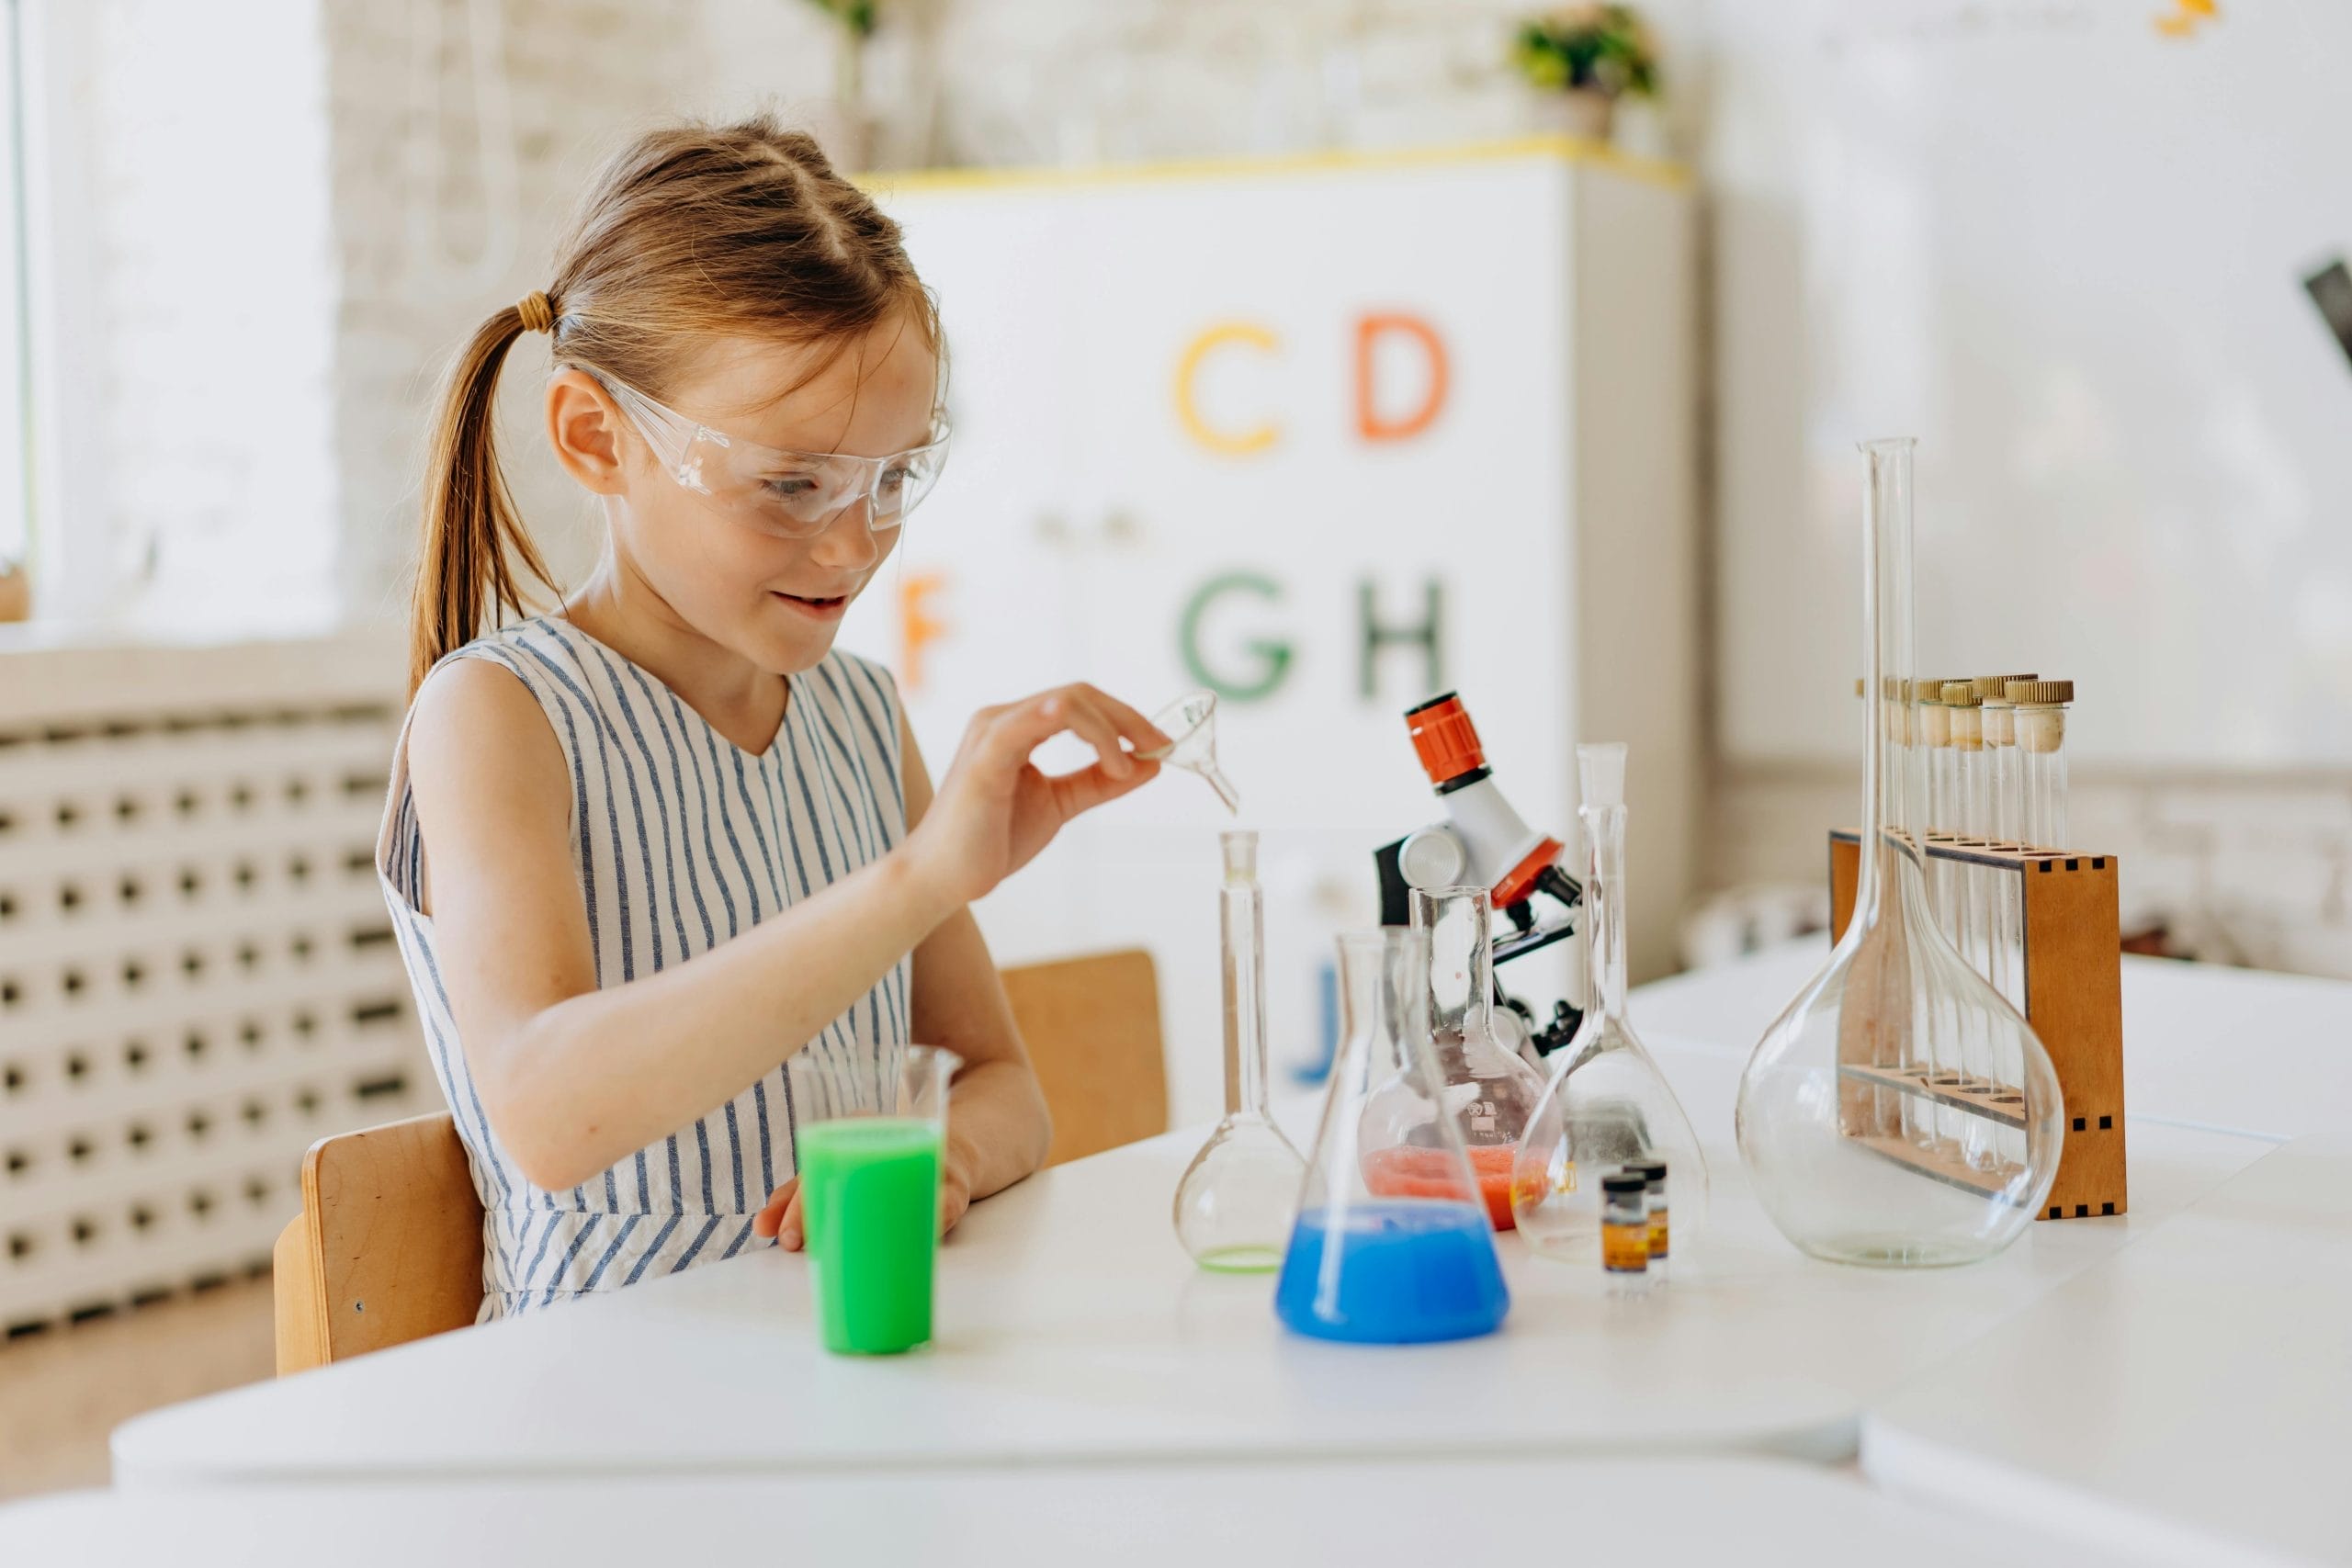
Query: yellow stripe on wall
[1565,149]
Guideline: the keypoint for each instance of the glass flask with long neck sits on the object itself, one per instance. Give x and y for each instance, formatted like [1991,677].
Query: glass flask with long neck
[1607,1104]
[1371,1260]
[1233,1208]
[1820,1158]
[1489,1086]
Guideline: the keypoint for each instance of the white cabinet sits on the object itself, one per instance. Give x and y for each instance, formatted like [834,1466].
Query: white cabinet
[1330,435]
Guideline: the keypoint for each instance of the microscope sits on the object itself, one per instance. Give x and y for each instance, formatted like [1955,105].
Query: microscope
[1482,841]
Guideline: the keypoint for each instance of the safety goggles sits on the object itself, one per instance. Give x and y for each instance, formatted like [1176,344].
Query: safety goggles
[793,495]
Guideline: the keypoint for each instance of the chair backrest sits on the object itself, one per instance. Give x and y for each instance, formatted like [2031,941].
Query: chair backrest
[1092,1028]
[387,1247]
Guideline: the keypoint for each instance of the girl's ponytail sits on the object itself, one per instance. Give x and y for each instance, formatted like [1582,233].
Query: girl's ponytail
[470,524]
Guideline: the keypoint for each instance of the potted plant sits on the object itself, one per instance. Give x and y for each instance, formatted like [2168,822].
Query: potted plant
[844,128]
[1583,57]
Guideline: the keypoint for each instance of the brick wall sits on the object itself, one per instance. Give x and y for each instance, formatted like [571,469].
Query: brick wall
[992,81]
[2251,869]
[194,347]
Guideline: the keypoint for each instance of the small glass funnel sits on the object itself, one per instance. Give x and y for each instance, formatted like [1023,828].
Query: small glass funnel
[1234,1206]
[1489,1088]
[1376,1265]
[1836,1152]
[1606,1103]
[1190,724]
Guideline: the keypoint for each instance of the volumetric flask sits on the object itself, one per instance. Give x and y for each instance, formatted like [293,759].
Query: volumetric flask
[1383,1267]
[1234,1206]
[1606,1105]
[1491,1090]
[1830,1104]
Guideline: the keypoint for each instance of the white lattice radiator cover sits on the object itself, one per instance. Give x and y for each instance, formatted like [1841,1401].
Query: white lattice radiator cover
[197,978]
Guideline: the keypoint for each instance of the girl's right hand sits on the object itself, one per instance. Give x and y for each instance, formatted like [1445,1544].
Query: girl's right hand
[996,809]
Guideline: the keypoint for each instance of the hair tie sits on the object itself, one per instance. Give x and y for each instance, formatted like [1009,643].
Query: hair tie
[539,316]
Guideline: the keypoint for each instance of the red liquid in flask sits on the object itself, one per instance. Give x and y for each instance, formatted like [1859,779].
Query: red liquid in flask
[1407,1171]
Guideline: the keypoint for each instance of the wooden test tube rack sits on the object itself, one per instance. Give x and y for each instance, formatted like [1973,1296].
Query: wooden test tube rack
[2073,999]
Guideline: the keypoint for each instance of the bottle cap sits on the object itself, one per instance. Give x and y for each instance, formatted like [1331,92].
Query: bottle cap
[2040,691]
[1445,739]
[1960,694]
[1651,1171]
[1993,688]
[1625,1183]
[1857,685]
[1926,691]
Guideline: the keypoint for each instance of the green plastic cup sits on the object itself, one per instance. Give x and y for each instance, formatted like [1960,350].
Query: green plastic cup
[869,1147]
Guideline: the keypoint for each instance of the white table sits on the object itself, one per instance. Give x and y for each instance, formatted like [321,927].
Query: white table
[2188,1401]
[2204,1046]
[1410,1513]
[1074,1330]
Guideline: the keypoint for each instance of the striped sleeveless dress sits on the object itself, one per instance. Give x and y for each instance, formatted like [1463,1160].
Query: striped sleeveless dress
[681,839]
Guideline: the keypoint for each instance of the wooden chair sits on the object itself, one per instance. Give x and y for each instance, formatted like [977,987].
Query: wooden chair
[387,1247]
[1092,1028]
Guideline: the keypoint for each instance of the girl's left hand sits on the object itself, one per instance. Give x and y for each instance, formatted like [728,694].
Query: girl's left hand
[781,1218]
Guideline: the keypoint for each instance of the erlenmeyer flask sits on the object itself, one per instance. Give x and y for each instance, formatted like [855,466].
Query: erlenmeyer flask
[1819,1123]
[1190,724]
[1234,1206]
[1378,1267]
[1606,1103]
[1491,1091]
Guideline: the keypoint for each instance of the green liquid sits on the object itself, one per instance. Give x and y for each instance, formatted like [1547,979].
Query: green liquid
[1241,1260]
[869,1194]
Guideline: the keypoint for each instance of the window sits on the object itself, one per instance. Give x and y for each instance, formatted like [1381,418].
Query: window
[16,512]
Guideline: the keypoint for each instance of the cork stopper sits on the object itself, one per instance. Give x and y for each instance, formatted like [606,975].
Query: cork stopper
[1962,695]
[1967,729]
[2023,693]
[2042,730]
[1935,723]
[2000,723]
[1991,689]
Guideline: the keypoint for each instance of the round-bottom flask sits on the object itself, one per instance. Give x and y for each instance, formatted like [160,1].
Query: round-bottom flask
[1824,1158]
[1607,1104]
[1488,1086]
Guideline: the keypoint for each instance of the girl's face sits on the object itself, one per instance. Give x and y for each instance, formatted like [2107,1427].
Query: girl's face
[775,601]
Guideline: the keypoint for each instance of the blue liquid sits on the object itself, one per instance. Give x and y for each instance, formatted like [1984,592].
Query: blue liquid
[1405,1273]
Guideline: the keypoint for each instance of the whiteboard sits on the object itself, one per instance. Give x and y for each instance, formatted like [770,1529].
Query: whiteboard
[1145,409]
[2064,244]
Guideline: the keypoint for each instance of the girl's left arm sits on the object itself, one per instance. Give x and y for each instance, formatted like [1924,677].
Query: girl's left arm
[997,1123]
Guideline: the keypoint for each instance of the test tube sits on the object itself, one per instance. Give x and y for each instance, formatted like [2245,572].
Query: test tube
[2004,825]
[2042,747]
[1972,929]
[2040,719]
[1892,1113]
[1924,1123]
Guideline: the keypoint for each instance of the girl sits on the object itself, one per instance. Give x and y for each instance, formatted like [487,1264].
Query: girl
[640,851]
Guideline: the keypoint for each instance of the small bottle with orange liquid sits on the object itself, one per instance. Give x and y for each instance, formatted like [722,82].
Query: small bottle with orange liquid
[1625,1228]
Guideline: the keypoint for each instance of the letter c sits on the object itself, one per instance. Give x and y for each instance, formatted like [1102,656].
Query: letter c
[1227,443]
